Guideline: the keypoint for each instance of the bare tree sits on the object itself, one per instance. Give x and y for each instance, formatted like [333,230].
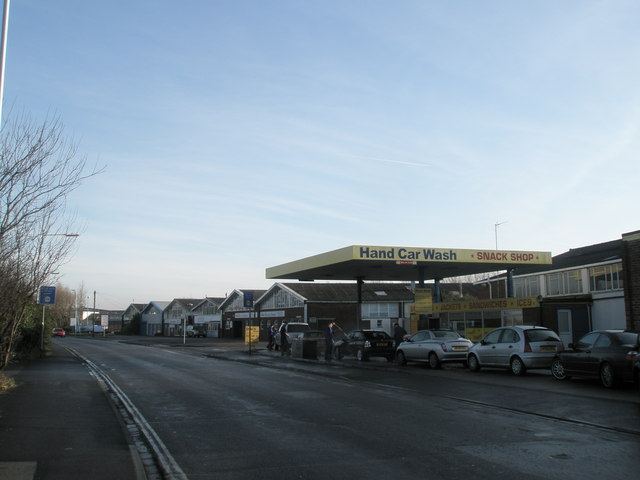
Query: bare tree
[39,168]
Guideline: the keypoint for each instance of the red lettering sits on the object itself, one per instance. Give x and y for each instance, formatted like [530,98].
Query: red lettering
[521,257]
[495,256]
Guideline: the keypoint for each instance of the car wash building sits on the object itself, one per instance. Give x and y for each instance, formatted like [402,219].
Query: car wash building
[419,265]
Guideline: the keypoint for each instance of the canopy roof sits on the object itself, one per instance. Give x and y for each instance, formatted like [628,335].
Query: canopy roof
[403,263]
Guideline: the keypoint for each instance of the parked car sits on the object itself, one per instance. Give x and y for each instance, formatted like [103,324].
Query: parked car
[365,344]
[59,332]
[604,354]
[517,348]
[636,370]
[434,347]
[197,331]
[293,329]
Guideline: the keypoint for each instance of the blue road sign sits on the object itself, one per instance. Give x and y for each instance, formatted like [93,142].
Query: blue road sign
[47,296]
[248,299]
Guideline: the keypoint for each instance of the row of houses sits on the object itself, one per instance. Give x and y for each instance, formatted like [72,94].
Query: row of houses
[586,288]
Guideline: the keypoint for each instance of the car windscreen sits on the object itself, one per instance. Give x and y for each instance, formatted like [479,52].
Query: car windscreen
[541,335]
[376,336]
[627,338]
[297,328]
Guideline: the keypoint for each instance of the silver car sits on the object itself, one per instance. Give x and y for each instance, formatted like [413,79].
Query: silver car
[517,348]
[434,347]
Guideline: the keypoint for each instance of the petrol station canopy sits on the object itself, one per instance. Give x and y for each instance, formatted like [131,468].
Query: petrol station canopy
[364,262]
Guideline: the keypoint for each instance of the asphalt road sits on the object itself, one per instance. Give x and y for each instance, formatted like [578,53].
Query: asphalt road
[221,419]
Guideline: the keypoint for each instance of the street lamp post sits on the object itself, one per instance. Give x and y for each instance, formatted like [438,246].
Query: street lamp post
[75,301]
[3,51]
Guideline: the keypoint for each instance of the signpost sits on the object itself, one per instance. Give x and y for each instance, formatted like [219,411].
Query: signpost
[46,296]
[247,302]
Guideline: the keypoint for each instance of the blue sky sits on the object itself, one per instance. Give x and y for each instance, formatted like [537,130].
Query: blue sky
[238,135]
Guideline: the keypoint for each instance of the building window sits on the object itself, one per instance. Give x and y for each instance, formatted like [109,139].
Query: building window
[564,283]
[606,277]
[527,286]
[379,310]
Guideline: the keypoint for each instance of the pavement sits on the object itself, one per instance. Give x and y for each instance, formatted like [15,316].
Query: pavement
[59,423]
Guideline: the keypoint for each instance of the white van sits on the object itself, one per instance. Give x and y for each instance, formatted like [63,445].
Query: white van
[293,329]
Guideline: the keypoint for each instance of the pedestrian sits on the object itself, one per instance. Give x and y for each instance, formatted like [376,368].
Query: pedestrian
[285,346]
[328,342]
[271,332]
[398,334]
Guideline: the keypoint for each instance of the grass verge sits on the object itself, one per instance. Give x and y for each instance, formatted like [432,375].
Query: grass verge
[6,383]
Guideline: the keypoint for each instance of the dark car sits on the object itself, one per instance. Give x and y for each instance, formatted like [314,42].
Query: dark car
[197,331]
[636,370]
[365,344]
[604,354]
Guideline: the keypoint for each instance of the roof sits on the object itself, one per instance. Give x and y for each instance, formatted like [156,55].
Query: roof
[137,306]
[239,292]
[186,303]
[159,305]
[348,292]
[403,263]
[217,301]
[577,257]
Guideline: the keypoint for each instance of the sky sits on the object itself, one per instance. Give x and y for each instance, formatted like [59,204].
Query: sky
[237,135]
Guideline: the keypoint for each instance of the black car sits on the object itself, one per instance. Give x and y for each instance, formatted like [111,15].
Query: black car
[364,344]
[604,354]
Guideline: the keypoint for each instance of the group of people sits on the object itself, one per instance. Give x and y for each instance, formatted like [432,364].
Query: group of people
[272,331]
[399,334]
[285,344]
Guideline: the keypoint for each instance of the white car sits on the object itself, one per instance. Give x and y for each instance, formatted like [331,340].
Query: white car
[434,347]
[293,330]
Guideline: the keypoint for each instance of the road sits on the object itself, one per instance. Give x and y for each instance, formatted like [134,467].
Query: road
[221,419]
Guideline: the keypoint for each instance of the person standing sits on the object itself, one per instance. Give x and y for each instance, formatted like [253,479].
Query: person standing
[285,347]
[271,332]
[328,341]
[398,334]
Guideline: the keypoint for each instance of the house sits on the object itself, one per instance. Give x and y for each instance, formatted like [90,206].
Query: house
[151,318]
[207,312]
[236,309]
[131,311]
[177,315]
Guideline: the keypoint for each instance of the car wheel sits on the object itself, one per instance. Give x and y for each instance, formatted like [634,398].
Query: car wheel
[402,360]
[473,363]
[336,353]
[360,355]
[607,375]
[517,366]
[557,369]
[433,360]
